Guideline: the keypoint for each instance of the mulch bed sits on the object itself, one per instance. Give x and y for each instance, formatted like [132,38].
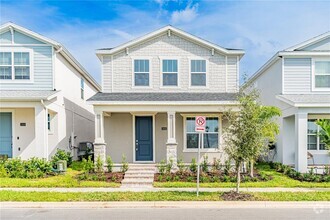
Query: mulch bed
[234,196]
[119,176]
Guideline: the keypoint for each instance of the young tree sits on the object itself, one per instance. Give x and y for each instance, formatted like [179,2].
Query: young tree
[248,130]
[325,132]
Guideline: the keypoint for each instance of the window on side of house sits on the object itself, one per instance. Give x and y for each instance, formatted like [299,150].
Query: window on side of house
[49,121]
[322,74]
[22,65]
[82,88]
[5,65]
[210,137]
[313,139]
[170,72]
[198,72]
[141,72]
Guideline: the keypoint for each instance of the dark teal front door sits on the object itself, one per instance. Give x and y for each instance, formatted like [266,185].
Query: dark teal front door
[143,138]
[5,134]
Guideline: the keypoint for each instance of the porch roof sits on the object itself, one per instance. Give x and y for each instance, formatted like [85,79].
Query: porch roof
[157,96]
[15,95]
[306,100]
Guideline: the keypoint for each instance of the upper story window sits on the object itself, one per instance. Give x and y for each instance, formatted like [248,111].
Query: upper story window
[322,74]
[314,140]
[15,65]
[82,88]
[198,72]
[170,72]
[141,72]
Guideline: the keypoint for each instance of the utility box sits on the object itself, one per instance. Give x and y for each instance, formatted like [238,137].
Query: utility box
[61,166]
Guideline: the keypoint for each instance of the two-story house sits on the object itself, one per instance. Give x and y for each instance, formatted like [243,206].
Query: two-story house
[297,80]
[153,87]
[43,92]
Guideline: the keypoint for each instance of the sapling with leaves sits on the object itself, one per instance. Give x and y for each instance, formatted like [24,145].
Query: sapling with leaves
[180,165]
[324,132]
[205,164]
[109,164]
[169,166]
[99,165]
[124,167]
[248,131]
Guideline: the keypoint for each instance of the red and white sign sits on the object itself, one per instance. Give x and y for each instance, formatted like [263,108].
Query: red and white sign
[200,123]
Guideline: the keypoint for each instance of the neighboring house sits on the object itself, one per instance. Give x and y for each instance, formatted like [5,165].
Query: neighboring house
[297,80]
[152,89]
[43,92]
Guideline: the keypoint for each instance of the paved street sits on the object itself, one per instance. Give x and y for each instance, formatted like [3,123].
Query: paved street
[166,213]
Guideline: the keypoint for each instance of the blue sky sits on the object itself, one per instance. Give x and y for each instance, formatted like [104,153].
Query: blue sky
[261,28]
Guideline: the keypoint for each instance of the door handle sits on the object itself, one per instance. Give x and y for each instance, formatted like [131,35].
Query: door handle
[136,149]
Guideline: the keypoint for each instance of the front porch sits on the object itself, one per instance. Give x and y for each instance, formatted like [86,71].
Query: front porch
[151,133]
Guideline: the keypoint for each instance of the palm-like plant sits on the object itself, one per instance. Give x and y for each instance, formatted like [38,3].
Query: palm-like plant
[325,132]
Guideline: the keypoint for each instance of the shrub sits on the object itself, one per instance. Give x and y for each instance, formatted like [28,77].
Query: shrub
[190,179]
[160,178]
[176,178]
[124,167]
[169,166]
[168,178]
[193,166]
[88,165]
[109,164]
[3,172]
[246,179]
[204,179]
[181,165]
[226,178]
[215,179]
[61,155]
[227,167]
[113,179]
[205,164]
[32,168]
[99,165]
[216,165]
[161,167]
[77,165]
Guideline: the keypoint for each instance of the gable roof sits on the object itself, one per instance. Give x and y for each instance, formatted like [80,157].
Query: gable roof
[295,50]
[309,42]
[59,47]
[169,29]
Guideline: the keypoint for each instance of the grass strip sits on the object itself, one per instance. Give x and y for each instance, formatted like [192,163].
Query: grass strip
[16,196]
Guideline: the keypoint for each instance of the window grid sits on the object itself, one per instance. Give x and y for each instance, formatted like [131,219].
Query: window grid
[170,69]
[141,72]
[312,134]
[15,68]
[198,72]
[322,74]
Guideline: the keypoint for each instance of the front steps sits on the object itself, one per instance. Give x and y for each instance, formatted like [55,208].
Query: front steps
[139,176]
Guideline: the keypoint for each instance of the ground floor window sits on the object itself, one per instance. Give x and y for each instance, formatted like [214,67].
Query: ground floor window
[211,135]
[314,141]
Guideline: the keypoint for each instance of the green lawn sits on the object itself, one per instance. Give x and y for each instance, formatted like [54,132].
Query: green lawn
[279,180]
[66,180]
[152,196]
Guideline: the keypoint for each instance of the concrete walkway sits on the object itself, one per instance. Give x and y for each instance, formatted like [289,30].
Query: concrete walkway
[274,189]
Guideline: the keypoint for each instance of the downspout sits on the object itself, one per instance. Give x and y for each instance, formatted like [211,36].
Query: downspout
[46,130]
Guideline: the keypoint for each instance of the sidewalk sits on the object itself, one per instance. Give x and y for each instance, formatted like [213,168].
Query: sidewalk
[273,189]
[169,204]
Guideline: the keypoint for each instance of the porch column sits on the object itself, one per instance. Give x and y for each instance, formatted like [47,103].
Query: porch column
[41,131]
[171,145]
[301,142]
[99,143]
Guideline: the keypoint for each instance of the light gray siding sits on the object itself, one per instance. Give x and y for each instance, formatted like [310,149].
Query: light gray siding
[297,75]
[323,45]
[173,47]
[42,71]
[5,38]
[20,38]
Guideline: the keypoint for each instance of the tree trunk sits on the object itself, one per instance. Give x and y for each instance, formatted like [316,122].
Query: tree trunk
[238,173]
[251,168]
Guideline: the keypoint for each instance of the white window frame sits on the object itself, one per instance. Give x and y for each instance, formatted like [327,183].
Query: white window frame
[314,88]
[50,122]
[206,73]
[82,88]
[318,151]
[150,73]
[12,51]
[161,72]
[187,150]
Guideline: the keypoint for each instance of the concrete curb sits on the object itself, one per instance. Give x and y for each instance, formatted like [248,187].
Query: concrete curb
[171,204]
[274,189]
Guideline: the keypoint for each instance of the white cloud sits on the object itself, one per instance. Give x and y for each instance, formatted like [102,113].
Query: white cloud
[186,15]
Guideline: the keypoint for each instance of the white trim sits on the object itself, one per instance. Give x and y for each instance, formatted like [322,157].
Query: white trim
[112,72]
[237,72]
[12,111]
[210,150]
[153,115]
[317,151]
[309,42]
[161,58]
[282,74]
[226,74]
[53,68]
[31,66]
[303,104]
[25,45]
[313,74]
[133,58]
[206,73]
[164,30]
